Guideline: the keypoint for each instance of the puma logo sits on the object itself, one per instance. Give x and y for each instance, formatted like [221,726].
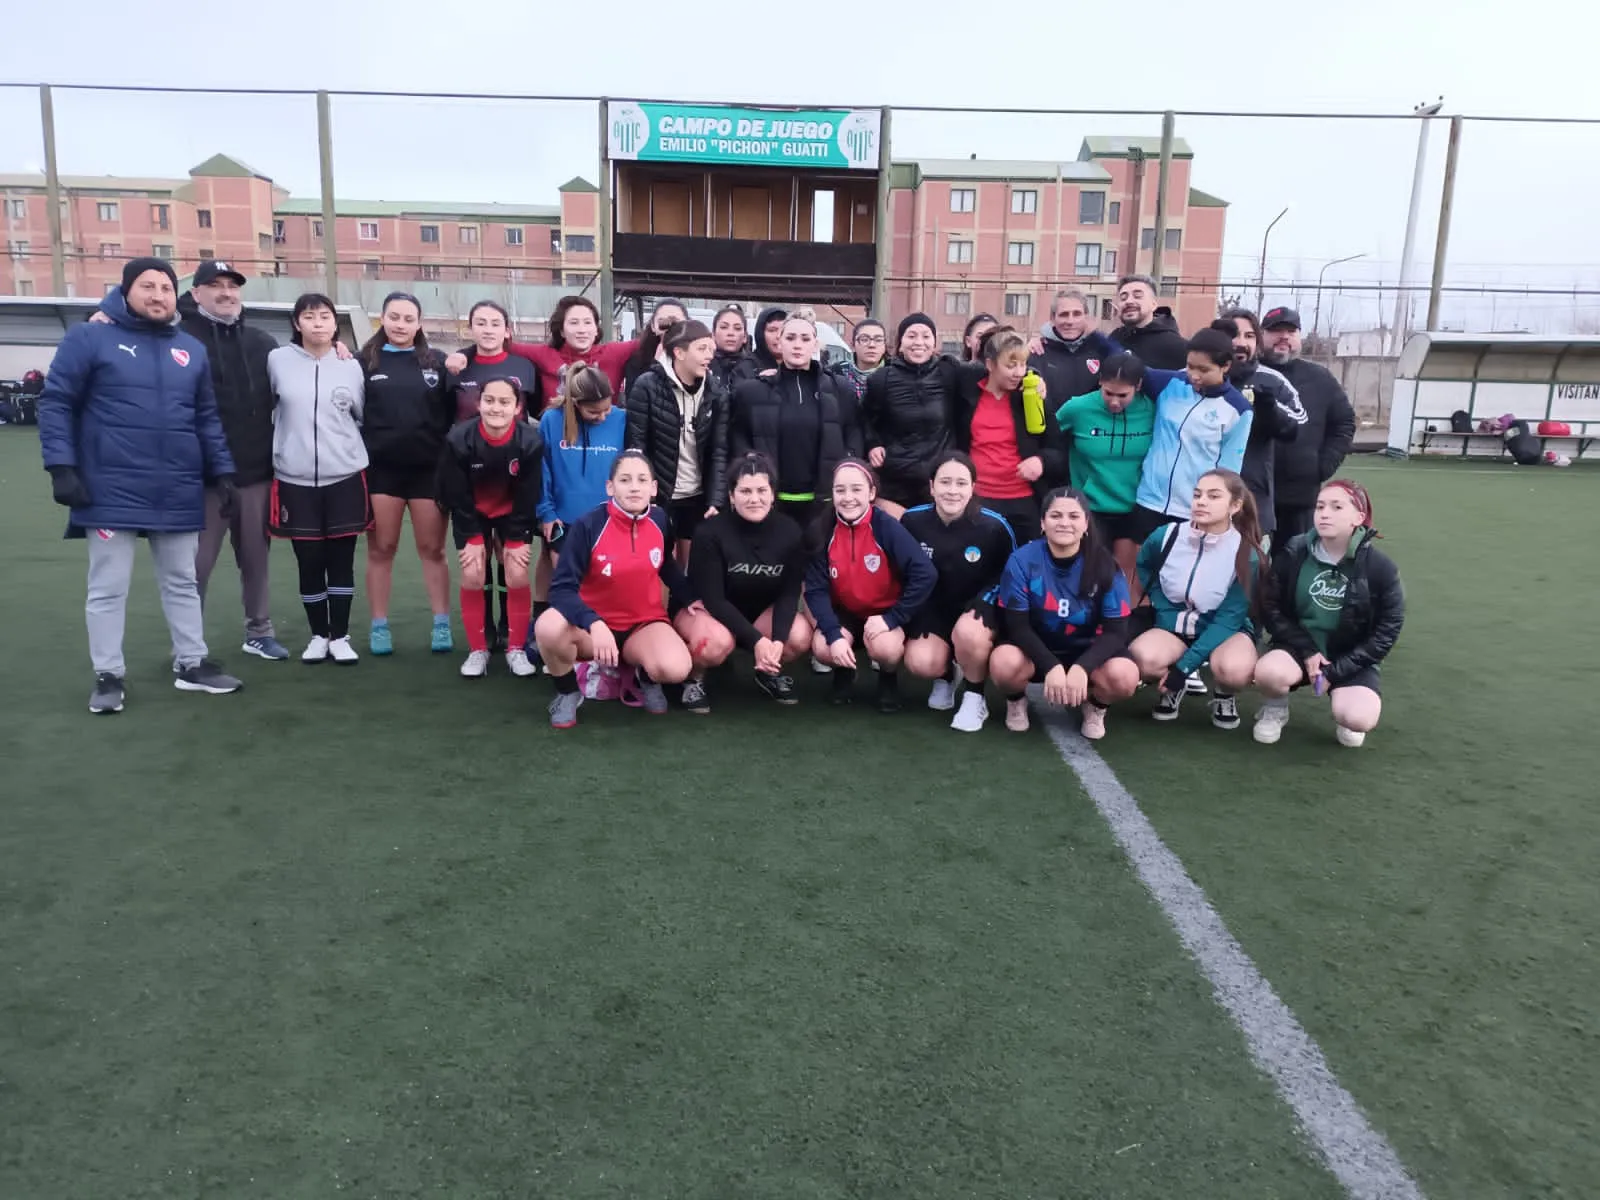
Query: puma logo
[133,351]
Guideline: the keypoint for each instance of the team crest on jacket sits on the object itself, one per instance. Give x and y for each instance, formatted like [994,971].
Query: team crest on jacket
[872,562]
[972,554]
[181,357]
[514,467]
[655,556]
[1093,364]
[431,378]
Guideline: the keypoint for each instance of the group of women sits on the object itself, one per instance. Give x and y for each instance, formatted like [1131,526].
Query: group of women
[907,511]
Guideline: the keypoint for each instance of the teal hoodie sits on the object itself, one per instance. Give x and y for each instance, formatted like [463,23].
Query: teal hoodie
[1107,449]
[1193,585]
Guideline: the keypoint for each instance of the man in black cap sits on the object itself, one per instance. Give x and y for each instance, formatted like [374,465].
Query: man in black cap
[1313,458]
[213,311]
[131,439]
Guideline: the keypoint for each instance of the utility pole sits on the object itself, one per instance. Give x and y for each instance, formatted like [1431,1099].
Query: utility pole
[1261,280]
[52,193]
[330,246]
[1316,319]
[1397,335]
[608,299]
[884,249]
[1447,201]
[1168,122]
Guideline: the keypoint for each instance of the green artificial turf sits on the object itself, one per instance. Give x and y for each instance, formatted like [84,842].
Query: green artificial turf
[1426,905]
[378,931]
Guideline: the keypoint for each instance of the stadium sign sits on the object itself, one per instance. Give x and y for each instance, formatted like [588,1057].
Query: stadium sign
[642,132]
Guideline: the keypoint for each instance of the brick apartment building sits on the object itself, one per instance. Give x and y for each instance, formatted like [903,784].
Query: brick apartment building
[226,209]
[977,235]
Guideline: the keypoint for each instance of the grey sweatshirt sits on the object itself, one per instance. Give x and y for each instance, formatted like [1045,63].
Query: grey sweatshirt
[316,436]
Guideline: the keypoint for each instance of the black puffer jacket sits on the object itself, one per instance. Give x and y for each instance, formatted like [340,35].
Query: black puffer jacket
[1278,416]
[1158,344]
[1049,446]
[725,366]
[756,359]
[763,408]
[1325,438]
[909,409]
[238,356]
[1068,368]
[655,425]
[1369,624]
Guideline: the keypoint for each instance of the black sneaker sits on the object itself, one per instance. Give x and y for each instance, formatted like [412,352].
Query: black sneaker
[888,692]
[844,686]
[695,697]
[205,676]
[779,687]
[107,697]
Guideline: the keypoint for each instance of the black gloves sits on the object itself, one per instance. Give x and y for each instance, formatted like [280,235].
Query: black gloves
[68,489]
[227,497]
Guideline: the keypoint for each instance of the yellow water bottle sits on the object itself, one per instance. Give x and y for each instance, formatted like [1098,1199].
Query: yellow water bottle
[1033,402]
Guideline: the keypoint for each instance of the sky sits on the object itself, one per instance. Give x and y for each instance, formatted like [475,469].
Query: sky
[1524,197]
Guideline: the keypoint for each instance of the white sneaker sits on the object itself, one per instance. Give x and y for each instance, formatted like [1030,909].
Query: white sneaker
[1094,720]
[341,651]
[1272,716]
[1195,685]
[316,650]
[517,660]
[477,664]
[943,696]
[974,711]
[1350,737]
[818,667]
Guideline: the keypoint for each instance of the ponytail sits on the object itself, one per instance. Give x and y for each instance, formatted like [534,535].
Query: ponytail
[581,385]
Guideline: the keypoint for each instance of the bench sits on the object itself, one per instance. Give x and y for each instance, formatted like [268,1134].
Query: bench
[1426,430]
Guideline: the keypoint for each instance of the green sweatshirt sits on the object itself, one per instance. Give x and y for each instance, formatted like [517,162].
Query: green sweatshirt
[1320,589]
[1107,449]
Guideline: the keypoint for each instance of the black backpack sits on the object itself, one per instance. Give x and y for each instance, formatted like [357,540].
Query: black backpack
[1523,446]
[1461,421]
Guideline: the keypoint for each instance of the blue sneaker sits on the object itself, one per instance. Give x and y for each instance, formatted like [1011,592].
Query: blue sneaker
[266,647]
[381,641]
[443,642]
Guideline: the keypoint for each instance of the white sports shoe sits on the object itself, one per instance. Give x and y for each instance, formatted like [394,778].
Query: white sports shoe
[974,711]
[517,660]
[1272,716]
[943,696]
[316,650]
[477,664]
[341,651]
[818,667]
[1017,715]
[1350,737]
[1195,685]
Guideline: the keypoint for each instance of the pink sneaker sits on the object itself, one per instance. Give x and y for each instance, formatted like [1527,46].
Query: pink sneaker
[1094,720]
[599,683]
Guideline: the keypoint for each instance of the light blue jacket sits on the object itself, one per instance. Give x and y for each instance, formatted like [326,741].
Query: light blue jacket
[1195,431]
[1192,581]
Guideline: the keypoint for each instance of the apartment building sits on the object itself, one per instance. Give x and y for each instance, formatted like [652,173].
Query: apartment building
[998,236]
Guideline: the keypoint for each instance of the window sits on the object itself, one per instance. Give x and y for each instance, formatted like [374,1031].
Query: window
[963,199]
[1147,239]
[469,273]
[367,231]
[108,210]
[578,279]
[1018,304]
[19,249]
[430,270]
[555,246]
[514,275]
[162,250]
[1169,285]
[958,304]
[468,235]
[160,217]
[110,249]
[953,349]
[1019,254]
[513,235]
[1087,259]
[430,235]
[279,235]
[1116,212]
[959,252]
[1092,208]
[1174,239]
[280,267]
[316,230]
[207,252]
[1024,202]
[580,243]
[18,209]
[264,242]
[373,268]
[24,287]
[1109,262]
[203,217]
[1108,310]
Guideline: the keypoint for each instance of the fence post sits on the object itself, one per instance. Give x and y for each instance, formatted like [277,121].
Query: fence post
[330,248]
[880,222]
[52,192]
[1168,121]
[608,299]
[1447,201]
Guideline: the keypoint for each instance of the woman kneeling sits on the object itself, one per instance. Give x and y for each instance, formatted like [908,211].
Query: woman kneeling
[1065,609]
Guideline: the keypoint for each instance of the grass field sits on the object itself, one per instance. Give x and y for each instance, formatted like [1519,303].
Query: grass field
[380,932]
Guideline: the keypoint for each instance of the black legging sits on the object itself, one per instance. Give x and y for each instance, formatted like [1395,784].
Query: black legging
[327,583]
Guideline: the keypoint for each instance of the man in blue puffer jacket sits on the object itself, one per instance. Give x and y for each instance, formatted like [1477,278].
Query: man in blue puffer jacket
[131,439]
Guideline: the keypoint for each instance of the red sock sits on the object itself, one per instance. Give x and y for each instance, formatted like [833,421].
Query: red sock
[519,610]
[472,618]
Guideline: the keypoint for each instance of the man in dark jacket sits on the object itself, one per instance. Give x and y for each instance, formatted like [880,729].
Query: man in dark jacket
[1148,331]
[213,311]
[1278,413]
[131,439]
[1314,456]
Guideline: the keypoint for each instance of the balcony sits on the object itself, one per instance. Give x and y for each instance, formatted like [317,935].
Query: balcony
[826,272]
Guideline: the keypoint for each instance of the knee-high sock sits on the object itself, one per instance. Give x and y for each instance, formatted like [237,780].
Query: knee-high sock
[308,555]
[341,560]
[474,613]
[519,610]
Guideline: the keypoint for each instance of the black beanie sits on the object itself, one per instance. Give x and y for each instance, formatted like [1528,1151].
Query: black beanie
[138,266]
[915,319]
